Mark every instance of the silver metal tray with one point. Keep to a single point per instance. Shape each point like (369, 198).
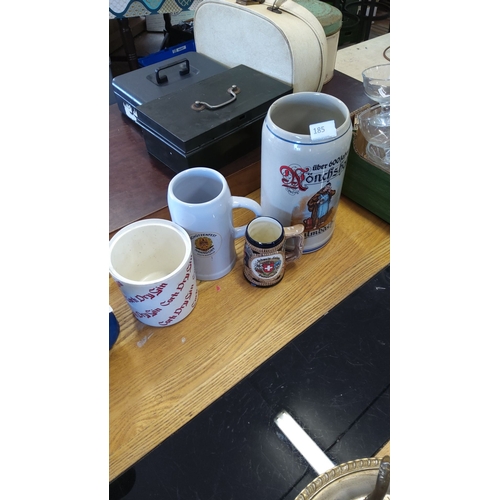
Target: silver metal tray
(349, 481)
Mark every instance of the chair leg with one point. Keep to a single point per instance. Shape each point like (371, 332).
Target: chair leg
(128, 43)
(166, 31)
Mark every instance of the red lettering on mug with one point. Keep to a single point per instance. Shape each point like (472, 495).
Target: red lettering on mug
(140, 298)
(150, 313)
(158, 289)
(293, 177)
(190, 293)
(193, 303)
(180, 287)
(170, 300)
(179, 310)
(153, 292)
(168, 321)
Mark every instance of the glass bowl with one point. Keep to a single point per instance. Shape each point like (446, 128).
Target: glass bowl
(375, 125)
(377, 83)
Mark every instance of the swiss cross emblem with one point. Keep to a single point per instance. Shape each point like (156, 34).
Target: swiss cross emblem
(267, 267)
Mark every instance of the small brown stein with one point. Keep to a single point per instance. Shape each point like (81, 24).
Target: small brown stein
(266, 254)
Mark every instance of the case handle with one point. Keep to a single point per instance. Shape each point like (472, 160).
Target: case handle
(276, 6)
(199, 105)
(164, 79)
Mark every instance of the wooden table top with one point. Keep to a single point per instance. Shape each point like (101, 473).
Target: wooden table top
(160, 378)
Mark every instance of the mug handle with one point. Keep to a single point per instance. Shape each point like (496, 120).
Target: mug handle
(296, 233)
(243, 202)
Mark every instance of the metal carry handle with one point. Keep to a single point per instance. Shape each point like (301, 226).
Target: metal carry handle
(199, 105)
(276, 7)
(164, 79)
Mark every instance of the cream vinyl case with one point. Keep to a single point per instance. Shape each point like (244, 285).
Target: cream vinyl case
(281, 39)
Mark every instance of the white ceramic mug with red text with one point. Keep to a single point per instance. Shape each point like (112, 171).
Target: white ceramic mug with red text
(152, 263)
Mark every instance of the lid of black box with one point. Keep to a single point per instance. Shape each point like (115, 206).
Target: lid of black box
(176, 118)
(141, 86)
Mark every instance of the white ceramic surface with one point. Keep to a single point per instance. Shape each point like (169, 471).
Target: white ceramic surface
(199, 200)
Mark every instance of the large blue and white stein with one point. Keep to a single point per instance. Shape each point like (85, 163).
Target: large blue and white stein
(306, 138)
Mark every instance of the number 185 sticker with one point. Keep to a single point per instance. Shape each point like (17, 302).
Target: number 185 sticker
(323, 130)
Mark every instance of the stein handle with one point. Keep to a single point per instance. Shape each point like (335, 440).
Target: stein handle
(249, 204)
(295, 233)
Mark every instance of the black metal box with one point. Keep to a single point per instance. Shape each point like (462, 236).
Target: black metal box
(211, 122)
(146, 84)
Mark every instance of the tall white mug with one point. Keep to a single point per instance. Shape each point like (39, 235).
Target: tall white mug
(306, 138)
(199, 200)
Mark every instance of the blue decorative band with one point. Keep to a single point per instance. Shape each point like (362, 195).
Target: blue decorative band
(121, 8)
